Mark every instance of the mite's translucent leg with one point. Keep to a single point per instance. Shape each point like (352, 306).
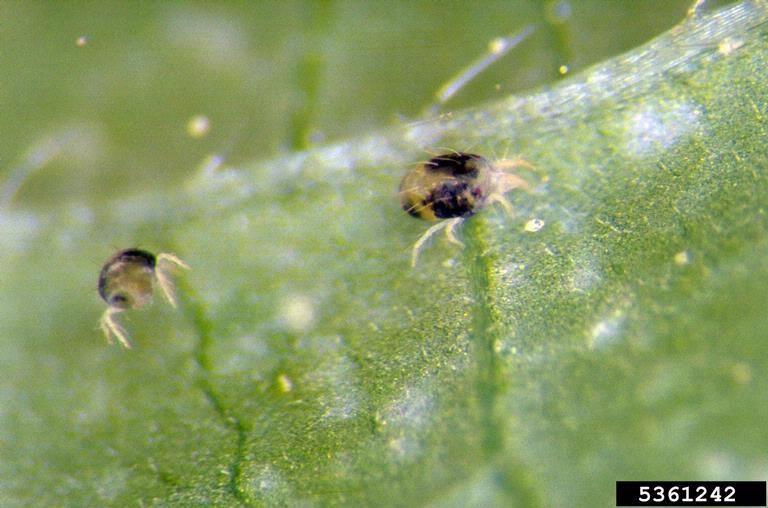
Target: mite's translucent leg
(500, 199)
(505, 164)
(110, 327)
(449, 225)
(167, 256)
(508, 181)
(505, 182)
(450, 231)
(162, 279)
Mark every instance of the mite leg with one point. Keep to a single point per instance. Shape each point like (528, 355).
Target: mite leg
(110, 327)
(449, 225)
(500, 199)
(450, 231)
(162, 279)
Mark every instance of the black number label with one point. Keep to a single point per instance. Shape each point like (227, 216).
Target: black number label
(680, 493)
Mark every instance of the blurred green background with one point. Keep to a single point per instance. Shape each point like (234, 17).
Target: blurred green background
(390, 384)
(272, 77)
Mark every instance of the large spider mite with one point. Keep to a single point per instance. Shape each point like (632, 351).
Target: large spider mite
(127, 281)
(453, 186)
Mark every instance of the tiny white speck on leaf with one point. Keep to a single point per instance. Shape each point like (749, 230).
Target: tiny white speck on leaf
(682, 258)
(497, 45)
(534, 225)
(607, 330)
(729, 45)
(297, 313)
(198, 126)
(284, 383)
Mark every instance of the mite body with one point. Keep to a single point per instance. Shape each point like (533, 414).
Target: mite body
(454, 186)
(447, 186)
(127, 281)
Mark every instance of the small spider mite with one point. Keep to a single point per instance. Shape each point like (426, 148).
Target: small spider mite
(454, 186)
(127, 282)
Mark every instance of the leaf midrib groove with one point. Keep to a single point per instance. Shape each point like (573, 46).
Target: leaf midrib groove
(204, 326)
(514, 478)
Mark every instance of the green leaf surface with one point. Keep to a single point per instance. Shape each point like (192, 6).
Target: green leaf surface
(613, 327)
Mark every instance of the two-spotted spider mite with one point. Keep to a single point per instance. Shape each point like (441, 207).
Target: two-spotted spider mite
(454, 186)
(127, 281)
